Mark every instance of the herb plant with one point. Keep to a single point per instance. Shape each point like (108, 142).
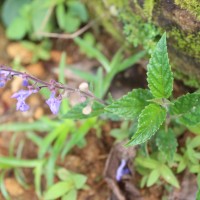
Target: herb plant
(154, 111)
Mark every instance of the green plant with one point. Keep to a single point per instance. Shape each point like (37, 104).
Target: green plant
(70, 15)
(67, 187)
(61, 136)
(40, 51)
(156, 111)
(28, 17)
(154, 167)
(189, 156)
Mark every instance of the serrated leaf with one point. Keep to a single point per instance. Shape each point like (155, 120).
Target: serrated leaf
(159, 75)
(167, 143)
(149, 122)
(130, 105)
(169, 176)
(188, 107)
(76, 111)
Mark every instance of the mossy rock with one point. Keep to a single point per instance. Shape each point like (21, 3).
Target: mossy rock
(142, 22)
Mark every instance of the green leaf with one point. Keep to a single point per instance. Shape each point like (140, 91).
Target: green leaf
(76, 111)
(94, 52)
(128, 62)
(192, 118)
(33, 126)
(38, 14)
(153, 177)
(11, 10)
(78, 9)
(143, 181)
(71, 195)
(149, 122)
(71, 23)
(159, 75)
(17, 29)
(89, 77)
(3, 189)
(167, 143)
(78, 134)
(148, 163)
(182, 165)
(169, 176)
(188, 108)
(10, 162)
(63, 174)
(58, 190)
(60, 15)
(194, 129)
(185, 103)
(198, 195)
(194, 143)
(79, 180)
(130, 105)
(121, 133)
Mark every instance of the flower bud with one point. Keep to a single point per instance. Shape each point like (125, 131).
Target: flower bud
(87, 110)
(83, 86)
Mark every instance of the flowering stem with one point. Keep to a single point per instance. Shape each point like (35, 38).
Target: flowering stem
(54, 84)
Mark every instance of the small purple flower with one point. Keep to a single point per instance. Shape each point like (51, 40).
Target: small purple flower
(3, 78)
(122, 170)
(21, 97)
(4, 73)
(2, 83)
(25, 82)
(21, 105)
(54, 103)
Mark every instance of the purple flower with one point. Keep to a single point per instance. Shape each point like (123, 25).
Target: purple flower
(4, 73)
(3, 78)
(21, 97)
(53, 103)
(2, 83)
(122, 170)
(25, 82)
(21, 105)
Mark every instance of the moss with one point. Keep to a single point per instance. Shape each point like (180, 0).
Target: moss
(120, 4)
(193, 6)
(139, 32)
(148, 8)
(187, 79)
(188, 43)
(144, 8)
